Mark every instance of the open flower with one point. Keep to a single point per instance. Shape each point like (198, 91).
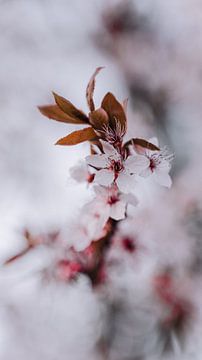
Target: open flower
(112, 168)
(111, 202)
(108, 203)
(159, 163)
(89, 227)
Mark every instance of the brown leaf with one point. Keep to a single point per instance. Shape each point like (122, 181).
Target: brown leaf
(145, 144)
(115, 111)
(69, 109)
(98, 118)
(90, 89)
(77, 137)
(55, 113)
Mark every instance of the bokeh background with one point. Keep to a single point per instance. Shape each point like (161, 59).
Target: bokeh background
(152, 53)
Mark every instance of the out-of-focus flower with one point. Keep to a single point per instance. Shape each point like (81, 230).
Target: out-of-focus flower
(121, 19)
(112, 168)
(159, 163)
(178, 309)
(81, 173)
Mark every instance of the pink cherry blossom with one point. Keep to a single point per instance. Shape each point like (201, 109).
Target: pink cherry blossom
(113, 168)
(89, 227)
(159, 164)
(111, 202)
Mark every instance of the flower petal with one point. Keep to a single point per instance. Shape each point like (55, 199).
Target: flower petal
(79, 172)
(94, 217)
(125, 182)
(135, 164)
(129, 199)
(164, 165)
(101, 191)
(118, 210)
(146, 172)
(109, 149)
(81, 241)
(104, 177)
(97, 161)
(163, 178)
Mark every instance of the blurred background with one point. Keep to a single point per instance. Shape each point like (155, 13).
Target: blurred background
(152, 53)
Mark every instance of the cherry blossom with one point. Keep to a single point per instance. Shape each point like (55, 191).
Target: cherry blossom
(113, 168)
(111, 202)
(159, 163)
(89, 227)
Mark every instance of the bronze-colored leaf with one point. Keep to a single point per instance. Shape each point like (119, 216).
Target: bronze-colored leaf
(69, 109)
(55, 113)
(77, 137)
(115, 111)
(98, 119)
(145, 144)
(90, 89)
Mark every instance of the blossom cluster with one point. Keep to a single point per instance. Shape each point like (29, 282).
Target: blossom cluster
(114, 167)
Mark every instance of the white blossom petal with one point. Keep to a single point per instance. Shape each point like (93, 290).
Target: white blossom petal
(118, 210)
(162, 178)
(94, 216)
(98, 161)
(147, 172)
(164, 165)
(129, 199)
(100, 191)
(81, 242)
(104, 177)
(109, 149)
(98, 223)
(135, 164)
(125, 182)
(79, 172)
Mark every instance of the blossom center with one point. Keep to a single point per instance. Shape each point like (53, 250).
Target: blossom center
(152, 164)
(129, 244)
(116, 166)
(112, 199)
